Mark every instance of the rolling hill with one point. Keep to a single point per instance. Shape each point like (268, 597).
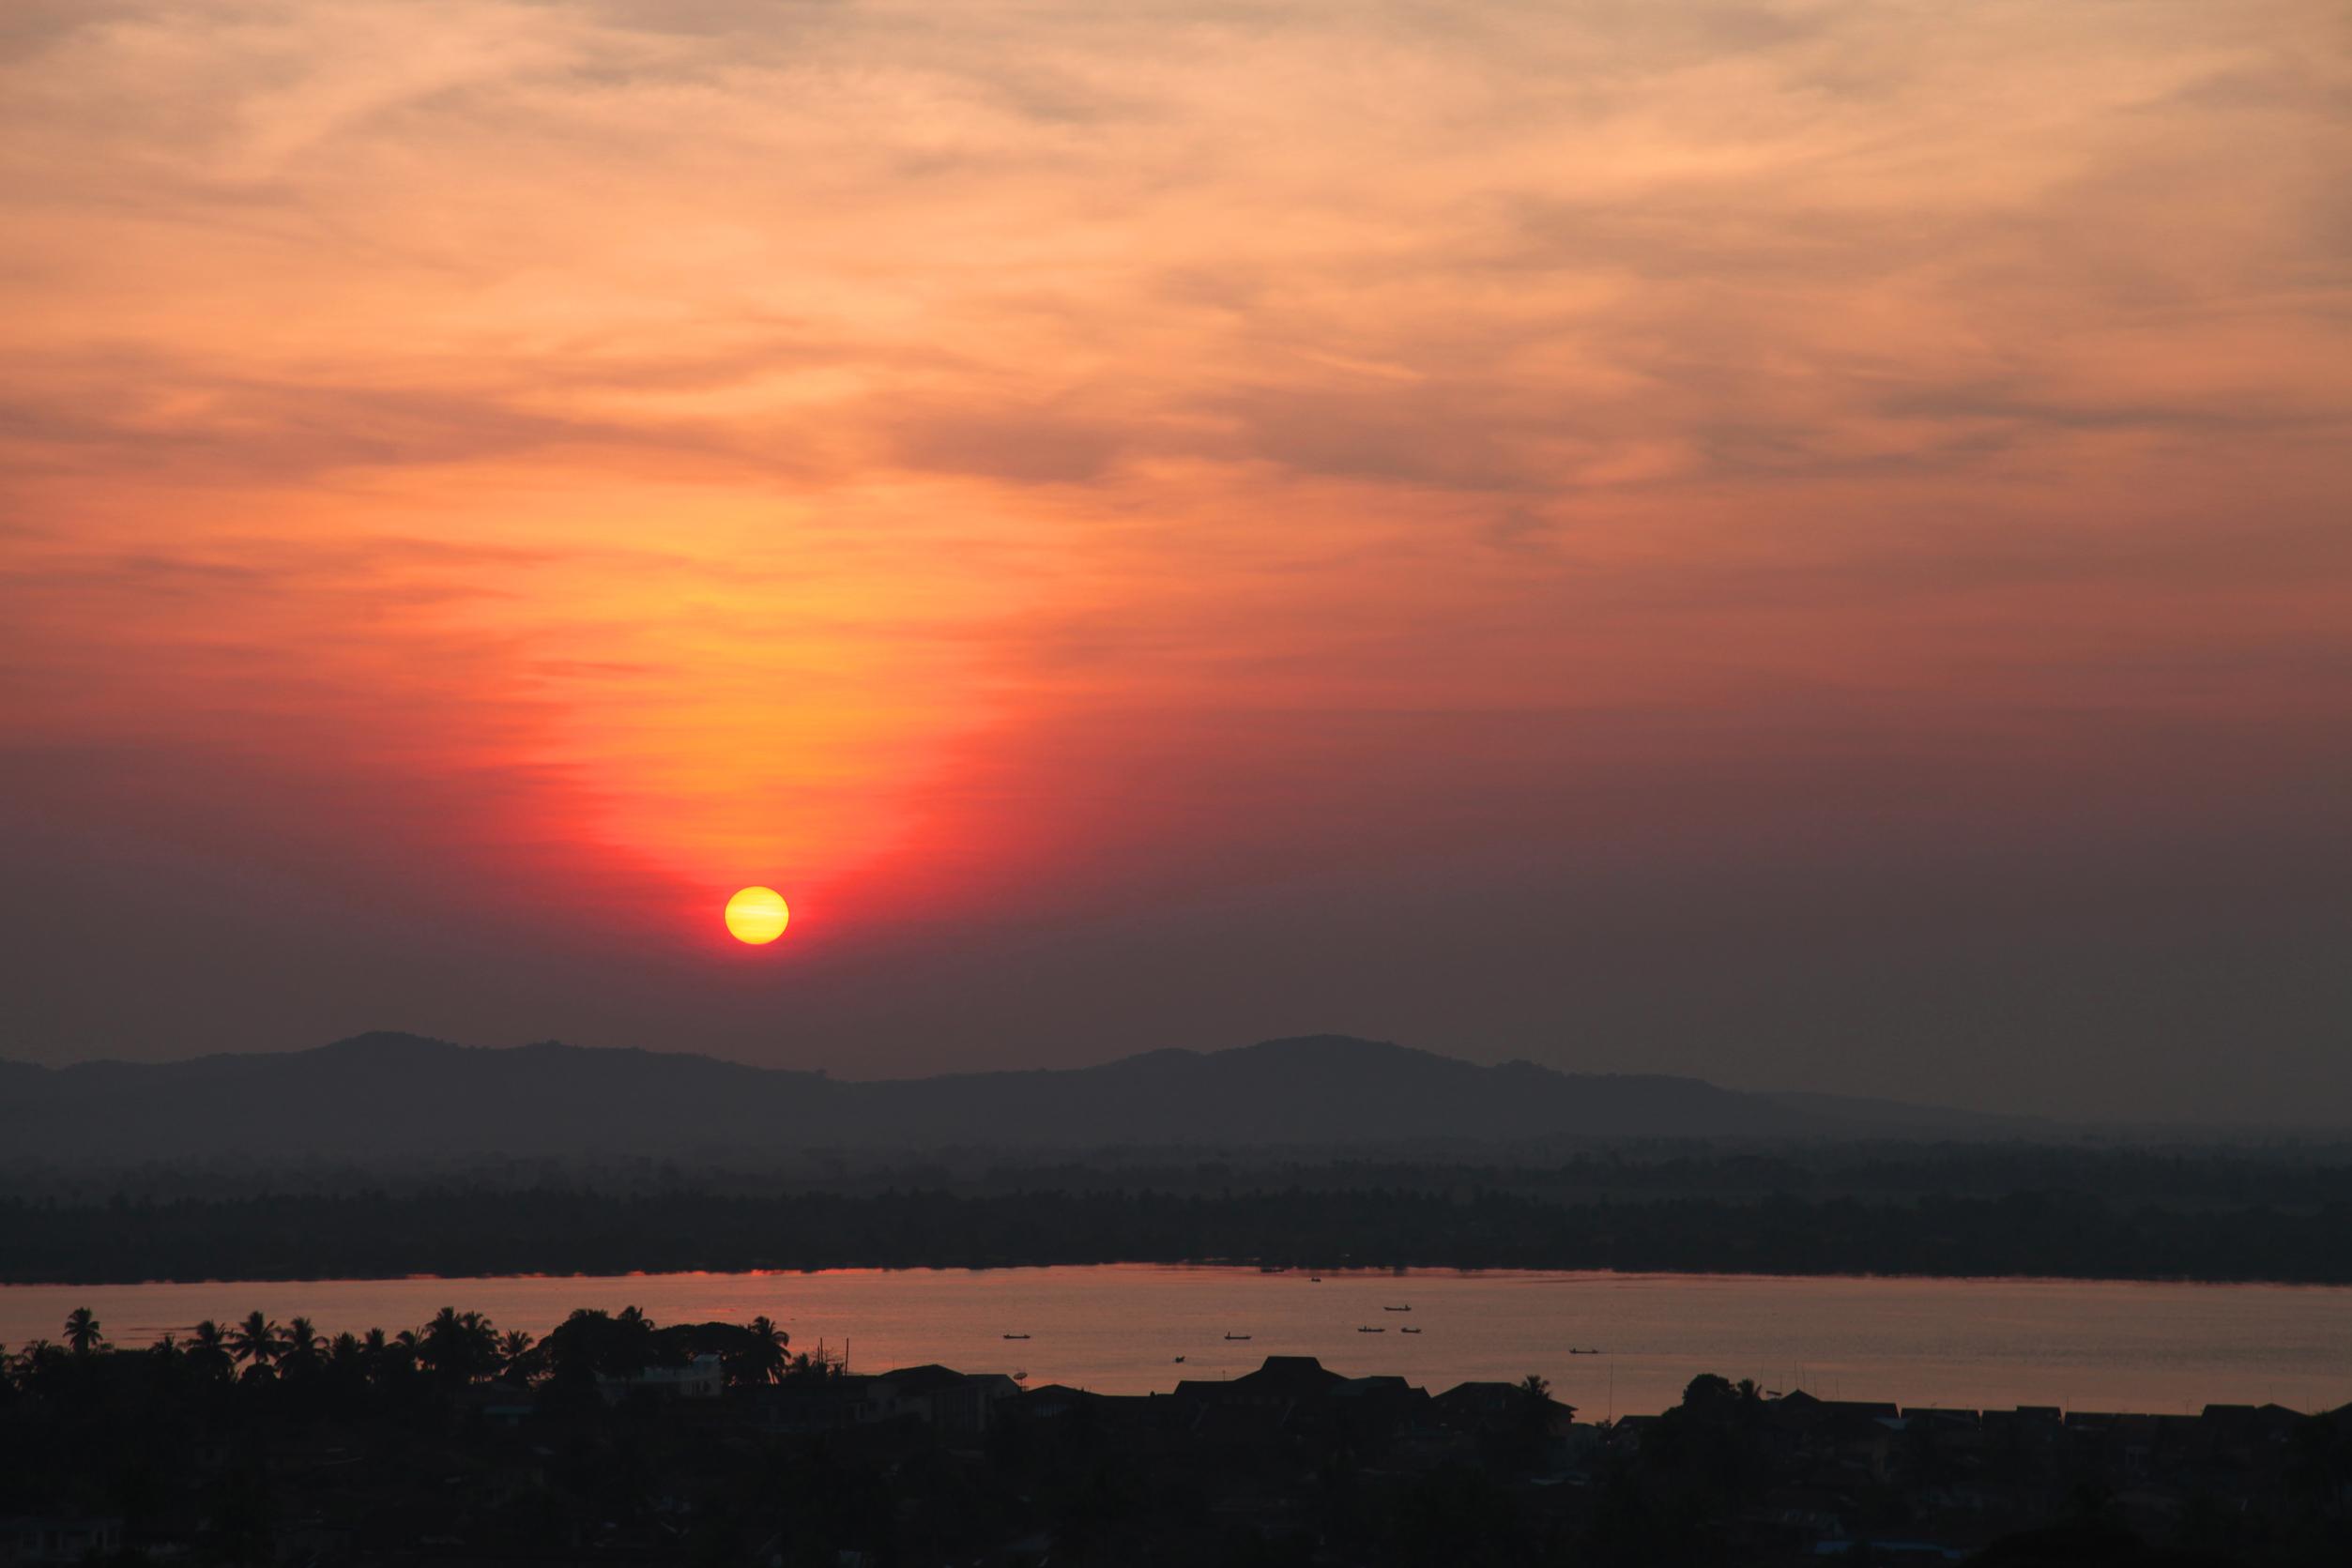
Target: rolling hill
(402, 1096)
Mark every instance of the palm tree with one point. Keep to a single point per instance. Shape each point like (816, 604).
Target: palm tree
(389, 1359)
(458, 1344)
(763, 1360)
(1535, 1405)
(512, 1347)
(575, 1348)
(254, 1342)
(632, 1341)
(208, 1350)
(34, 1364)
(82, 1333)
(299, 1345)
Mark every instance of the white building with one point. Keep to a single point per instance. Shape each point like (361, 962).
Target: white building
(704, 1378)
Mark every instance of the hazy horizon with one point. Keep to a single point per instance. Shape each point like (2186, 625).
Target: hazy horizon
(2317, 1122)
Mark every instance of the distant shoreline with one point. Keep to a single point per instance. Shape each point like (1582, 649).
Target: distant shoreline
(1930, 1214)
(1531, 1275)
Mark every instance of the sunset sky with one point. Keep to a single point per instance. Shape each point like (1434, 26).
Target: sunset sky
(1805, 543)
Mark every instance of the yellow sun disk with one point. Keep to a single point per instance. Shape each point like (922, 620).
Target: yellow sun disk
(756, 915)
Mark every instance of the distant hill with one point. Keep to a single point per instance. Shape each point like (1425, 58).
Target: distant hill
(397, 1095)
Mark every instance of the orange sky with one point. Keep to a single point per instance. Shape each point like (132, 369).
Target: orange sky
(1525, 529)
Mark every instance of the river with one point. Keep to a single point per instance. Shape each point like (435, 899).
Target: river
(2084, 1345)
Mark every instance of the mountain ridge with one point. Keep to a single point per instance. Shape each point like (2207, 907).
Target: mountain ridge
(387, 1094)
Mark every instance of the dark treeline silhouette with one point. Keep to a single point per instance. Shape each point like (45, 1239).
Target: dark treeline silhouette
(453, 1349)
(463, 1231)
(2284, 1175)
(259, 1442)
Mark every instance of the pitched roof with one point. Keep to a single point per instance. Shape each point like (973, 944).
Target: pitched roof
(922, 1379)
(1289, 1374)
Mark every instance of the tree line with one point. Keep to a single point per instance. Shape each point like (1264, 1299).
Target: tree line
(452, 1349)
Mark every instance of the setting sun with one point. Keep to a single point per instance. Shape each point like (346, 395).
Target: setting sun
(756, 915)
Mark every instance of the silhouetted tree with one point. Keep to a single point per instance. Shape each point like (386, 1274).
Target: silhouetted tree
(1708, 1396)
(633, 1340)
(34, 1367)
(1539, 1410)
(458, 1346)
(209, 1351)
(298, 1346)
(762, 1360)
(254, 1342)
(589, 1343)
(82, 1333)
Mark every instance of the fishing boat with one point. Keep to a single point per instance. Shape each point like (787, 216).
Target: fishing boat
(1016, 1337)
(1397, 1309)
(1237, 1336)
(1371, 1331)
(1409, 1329)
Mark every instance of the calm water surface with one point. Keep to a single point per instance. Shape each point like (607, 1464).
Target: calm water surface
(1974, 1343)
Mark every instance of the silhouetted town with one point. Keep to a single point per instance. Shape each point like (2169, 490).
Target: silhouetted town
(615, 1440)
